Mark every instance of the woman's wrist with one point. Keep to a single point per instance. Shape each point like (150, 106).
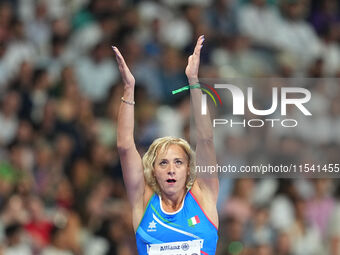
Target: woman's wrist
(128, 93)
(193, 81)
(128, 86)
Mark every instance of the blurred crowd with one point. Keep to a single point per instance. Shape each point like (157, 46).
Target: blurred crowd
(61, 187)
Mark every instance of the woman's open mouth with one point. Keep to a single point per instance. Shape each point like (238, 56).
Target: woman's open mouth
(170, 180)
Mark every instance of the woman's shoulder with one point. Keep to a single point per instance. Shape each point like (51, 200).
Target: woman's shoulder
(138, 208)
(148, 193)
(207, 204)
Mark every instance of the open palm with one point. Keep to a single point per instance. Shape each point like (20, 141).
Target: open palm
(191, 70)
(127, 76)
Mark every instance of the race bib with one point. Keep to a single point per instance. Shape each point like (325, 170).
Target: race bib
(176, 248)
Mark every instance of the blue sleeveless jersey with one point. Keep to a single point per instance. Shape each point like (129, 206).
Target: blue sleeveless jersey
(188, 223)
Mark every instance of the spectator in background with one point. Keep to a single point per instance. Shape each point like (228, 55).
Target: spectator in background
(333, 228)
(239, 205)
(38, 30)
(260, 22)
(222, 17)
(19, 49)
(4, 75)
(283, 244)
(96, 73)
(236, 58)
(39, 93)
(14, 241)
(259, 231)
(305, 238)
(8, 117)
(320, 205)
(171, 72)
(297, 36)
(325, 14)
(58, 58)
(13, 212)
(43, 176)
(83, 182)
(232, 145)
(172, 121)
(330, 49)
(231, 230)
(282, 208)
(38, 225)
(57, 246)
(23, 84)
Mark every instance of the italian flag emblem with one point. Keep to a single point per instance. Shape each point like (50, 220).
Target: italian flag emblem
(193, 221)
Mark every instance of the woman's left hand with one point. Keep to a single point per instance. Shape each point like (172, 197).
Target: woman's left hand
(127, 77)
(191, 70)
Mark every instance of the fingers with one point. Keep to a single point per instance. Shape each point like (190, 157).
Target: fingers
(199, 45)
(122, 66)
(119, 57)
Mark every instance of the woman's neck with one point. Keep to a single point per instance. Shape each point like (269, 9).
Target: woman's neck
(174, 202)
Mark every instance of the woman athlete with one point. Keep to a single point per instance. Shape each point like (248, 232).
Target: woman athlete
(174, 211)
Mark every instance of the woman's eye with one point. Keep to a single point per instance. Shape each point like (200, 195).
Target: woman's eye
(178, 162)
(162, 163)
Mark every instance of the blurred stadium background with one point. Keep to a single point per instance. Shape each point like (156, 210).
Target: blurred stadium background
(61, 188)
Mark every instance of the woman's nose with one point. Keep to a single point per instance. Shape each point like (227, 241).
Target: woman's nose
(171, 169)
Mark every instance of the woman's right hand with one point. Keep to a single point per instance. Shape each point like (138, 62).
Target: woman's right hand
(127, 76)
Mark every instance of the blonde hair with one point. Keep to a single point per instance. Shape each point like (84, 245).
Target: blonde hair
(161, 145)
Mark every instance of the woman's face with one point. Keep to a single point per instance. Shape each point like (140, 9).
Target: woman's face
(171, 170)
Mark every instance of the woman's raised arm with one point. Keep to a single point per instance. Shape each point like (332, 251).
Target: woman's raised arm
(129, 157)
(205, 150)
